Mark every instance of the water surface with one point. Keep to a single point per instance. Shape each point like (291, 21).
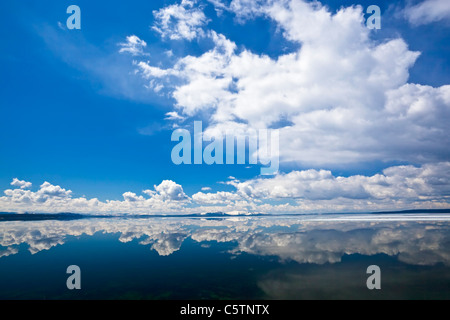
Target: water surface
(307, 257)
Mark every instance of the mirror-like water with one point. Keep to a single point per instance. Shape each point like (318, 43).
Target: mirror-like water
(307, 257)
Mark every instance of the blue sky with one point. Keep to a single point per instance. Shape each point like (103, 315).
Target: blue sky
(362, 113)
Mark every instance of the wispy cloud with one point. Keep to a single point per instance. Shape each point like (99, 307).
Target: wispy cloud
(174, 116)
(103, 64)
(133, 45)
(428, 11)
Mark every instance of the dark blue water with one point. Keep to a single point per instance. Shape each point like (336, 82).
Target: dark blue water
(239, 258)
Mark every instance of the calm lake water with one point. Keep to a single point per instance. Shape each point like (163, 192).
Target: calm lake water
(302, 257)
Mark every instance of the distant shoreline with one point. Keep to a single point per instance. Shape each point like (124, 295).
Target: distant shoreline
(12, 216)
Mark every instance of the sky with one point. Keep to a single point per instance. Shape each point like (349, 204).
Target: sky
(88, 115)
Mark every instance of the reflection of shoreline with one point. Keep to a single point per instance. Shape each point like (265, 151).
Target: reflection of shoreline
(309, 240)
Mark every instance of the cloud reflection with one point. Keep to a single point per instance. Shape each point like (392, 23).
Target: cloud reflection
(316, 241)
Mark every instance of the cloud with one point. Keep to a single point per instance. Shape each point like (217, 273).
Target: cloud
(338, 98)
(219, 6)
(220, 197)
(131, 197)
(345, 95)
(47, 190)
(134, 46)
(46, 193)
(305, 191)
(180, 21)
(168, 197)
(428, 182)
(169, 190)
(174, 116)
(21, 184)
(428, 11)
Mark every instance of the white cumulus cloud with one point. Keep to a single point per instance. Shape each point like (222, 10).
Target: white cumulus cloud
(346, 97)
(170, 190)
(305, 191)
(21, 184)
(180, 21)
(428, 182)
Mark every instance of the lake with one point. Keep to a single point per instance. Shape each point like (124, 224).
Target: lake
(286, 257)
